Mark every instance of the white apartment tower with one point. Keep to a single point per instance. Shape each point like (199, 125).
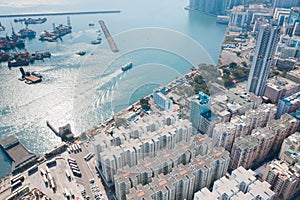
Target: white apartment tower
(267, 39)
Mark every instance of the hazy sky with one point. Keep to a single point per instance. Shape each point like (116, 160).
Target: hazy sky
(30, 3)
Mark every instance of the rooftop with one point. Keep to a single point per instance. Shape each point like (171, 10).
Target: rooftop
(279, 83)
(16, 151)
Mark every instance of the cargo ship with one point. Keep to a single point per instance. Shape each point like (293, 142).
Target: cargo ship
(35, 21)
(20, 59)
(127, 67)
(18, 62)
(8, 43)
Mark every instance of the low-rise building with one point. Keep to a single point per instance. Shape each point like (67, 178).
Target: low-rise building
(279, 87)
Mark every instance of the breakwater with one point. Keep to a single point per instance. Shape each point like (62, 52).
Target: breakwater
(60, 13)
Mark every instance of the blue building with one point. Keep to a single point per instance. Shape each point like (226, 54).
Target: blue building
(288, 104)
(199, 106)
(161, 100)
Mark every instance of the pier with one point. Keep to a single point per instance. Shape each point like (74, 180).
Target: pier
(59, 13)
(52, 128)
(110, 40)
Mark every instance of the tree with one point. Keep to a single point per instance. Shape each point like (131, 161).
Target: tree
(145, 104)
(232, 65)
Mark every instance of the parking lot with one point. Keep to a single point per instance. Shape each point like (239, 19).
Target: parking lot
(84, 186)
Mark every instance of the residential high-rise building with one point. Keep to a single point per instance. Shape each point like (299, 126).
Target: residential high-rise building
(286, 3)
(199, 106)
(288, 104)
(242, 184)
(290, 148)
(283, 127)
(266, 44)
(283, 179)
(243, 153)
(215, 7)
(162, 100)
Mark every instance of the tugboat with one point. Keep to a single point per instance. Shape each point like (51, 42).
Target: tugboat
(3, 56)
(35, 21)
(127, 67)
(19, 20)
(81, 53)
(41, 56)
(96, 42)
(2, 28)
(26, 32)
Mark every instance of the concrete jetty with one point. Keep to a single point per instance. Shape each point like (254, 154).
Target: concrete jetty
(59, 13)
(110, 40)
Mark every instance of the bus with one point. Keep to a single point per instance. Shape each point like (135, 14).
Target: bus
(75, 168)
(71, 160)
(66, 193)
(45, 179)
(42, 171)
(51, 163)
(16, 178)
(32, 170)
(79, 147)
(16, 185)
(88, 156)
(52, 184)
(76, 172)
(50, 177)
(73, 165)
(68, 175)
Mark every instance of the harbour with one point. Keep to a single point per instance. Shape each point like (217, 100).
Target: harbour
(61, 72)
(60, 13)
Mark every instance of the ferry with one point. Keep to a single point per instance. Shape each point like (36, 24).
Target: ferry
(127, 67)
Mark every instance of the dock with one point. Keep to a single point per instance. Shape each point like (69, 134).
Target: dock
(109, 38)
(20, 157)
(51, 128)
(59, 13)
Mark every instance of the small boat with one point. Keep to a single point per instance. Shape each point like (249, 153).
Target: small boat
(95, 41)
(81, 53)
(91, 24)
(99, 38)
(36, 74)
(127, 67)
(20, 20)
